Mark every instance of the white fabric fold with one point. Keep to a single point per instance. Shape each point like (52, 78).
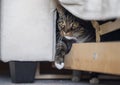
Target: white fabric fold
(93, 9)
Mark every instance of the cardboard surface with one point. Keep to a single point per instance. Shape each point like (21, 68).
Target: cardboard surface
(95, 57)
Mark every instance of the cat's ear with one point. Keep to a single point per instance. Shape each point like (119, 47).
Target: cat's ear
(60, 9)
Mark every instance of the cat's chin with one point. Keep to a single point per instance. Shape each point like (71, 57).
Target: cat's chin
(59, 66)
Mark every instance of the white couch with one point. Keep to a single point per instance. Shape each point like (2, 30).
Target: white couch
(27, 30)
(27, 36)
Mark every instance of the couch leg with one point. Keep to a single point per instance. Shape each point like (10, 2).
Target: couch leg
(22, 72)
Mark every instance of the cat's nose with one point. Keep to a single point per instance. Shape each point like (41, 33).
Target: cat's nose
(66, 31)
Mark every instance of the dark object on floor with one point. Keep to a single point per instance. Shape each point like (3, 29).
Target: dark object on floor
(22, 72)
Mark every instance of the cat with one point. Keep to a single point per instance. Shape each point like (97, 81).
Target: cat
(71, 30)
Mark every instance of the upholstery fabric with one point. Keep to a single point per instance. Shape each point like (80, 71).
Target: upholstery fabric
(27, 30)
(93, 9)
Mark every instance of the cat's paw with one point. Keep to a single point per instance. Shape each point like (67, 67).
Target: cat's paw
(59, 66)
(94, 81)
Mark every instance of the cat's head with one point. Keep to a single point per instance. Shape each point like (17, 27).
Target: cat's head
(70, 26)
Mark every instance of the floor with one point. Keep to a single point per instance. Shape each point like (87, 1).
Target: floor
(5, 80)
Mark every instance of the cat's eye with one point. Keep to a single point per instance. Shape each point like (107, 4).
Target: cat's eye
(61, 22)
(61, 25)
(75, 25)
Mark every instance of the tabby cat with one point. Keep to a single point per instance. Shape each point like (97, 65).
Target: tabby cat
(71, 30)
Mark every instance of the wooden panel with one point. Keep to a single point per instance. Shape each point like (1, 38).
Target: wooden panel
(95, 57)
(109, 27)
